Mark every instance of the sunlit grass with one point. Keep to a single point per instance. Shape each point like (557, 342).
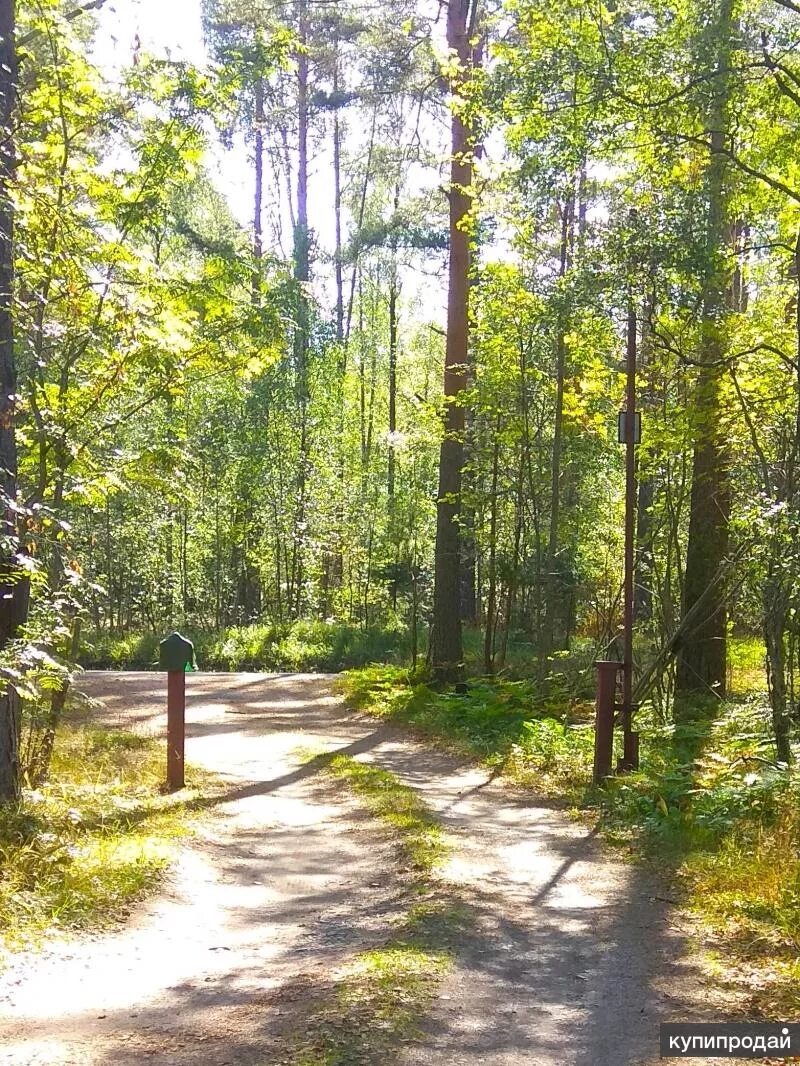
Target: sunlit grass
(745, 895)
(375, 1004)
(534, 741)
(77, 853)
(305, 644)
(377, 1001)
(418, 833)
(746, 666)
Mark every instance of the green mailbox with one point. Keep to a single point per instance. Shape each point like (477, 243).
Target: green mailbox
(176, 653)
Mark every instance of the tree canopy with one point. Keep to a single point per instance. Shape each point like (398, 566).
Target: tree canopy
(384, 391)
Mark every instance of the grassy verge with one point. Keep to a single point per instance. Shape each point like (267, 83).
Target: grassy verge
(77, 853)
(417, 832)
(545, 744)
(377, 1002)
(709, 807)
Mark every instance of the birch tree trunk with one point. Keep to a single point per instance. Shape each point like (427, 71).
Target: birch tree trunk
(13, 588)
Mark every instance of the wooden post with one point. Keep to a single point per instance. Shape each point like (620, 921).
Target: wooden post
(176, 728)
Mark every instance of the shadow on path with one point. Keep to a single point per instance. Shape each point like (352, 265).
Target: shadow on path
(566, 956)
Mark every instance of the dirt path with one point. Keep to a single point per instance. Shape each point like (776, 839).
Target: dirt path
(571, 959)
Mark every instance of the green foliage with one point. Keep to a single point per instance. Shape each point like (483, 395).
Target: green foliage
(303, 645)
(532, 740)
(710, 802)
(96, 837)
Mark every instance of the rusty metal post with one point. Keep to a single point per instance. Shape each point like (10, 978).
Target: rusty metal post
(176, 727)
(607, 671)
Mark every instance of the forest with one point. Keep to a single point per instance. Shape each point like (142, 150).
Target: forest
(357, 407)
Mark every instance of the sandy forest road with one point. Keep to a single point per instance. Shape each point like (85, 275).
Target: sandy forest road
(572, 960)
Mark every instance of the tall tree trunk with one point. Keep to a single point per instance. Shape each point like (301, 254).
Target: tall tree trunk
(643, 579)
(13, 587)
(446, 637)
(491, 598)
(302, 324)
(554, 590)
(258, 205)
(702, 656)
(513, 577)
(391, 473)
(337, 206)
(334, 561)
(469, 547)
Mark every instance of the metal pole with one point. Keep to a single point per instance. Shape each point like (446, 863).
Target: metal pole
(630, 758)
(176, 727)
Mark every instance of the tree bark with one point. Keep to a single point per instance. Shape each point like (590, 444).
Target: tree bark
(302, 272)
(702, 659)
(337, 208)
(491, 598)
(258, 205)
(392, 466)
(446, 636)
(13, 586)
(554, 590)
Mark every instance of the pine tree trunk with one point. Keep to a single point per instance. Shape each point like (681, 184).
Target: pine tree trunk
(702, 659)
(302, 324)
(469, 547)
(554, 590)
(446, 637)
(337, 208)
(258, 204)
(392, 465)
(491, 598)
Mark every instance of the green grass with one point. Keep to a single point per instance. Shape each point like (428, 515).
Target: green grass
(709, 807)
(302, 645)
(368, 1009)
(542, 743)
(78, 852)
(746, 666)
(417, 832)
(376, 1002)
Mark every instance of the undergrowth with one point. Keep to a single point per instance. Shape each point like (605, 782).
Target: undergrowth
(77, 852)
(301, 645)
(540, 742)
(325, 646)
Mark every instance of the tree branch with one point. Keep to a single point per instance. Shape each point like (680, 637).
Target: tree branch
(82, 9)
